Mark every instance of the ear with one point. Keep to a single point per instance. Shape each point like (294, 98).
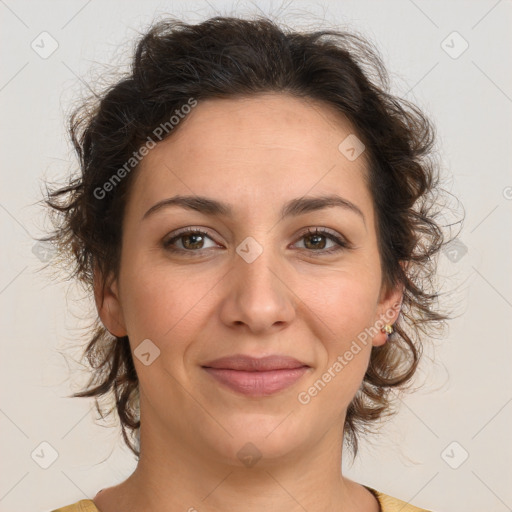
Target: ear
(106, 296)
(388, 309)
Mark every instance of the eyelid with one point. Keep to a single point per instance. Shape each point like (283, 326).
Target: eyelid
(185, 231)
(312, 230)
(342, 243)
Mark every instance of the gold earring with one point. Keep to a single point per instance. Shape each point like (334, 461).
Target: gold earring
(388, 328)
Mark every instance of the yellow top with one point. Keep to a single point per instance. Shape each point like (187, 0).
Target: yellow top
(387, 504)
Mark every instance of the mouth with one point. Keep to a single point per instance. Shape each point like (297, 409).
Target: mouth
(256, 376)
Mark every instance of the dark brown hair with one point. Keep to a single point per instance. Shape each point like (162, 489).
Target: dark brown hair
(227, 57)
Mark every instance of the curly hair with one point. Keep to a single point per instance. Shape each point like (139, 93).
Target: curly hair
(227, 57)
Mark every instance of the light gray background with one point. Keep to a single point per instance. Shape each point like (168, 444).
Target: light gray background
(466, 395)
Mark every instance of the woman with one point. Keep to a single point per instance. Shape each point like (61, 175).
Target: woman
(255, 217)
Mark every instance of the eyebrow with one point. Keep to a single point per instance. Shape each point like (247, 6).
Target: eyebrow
(292, 208)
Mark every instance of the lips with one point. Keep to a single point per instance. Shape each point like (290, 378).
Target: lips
(256, 376)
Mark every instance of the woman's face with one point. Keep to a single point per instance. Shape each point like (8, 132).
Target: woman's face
(257, 283)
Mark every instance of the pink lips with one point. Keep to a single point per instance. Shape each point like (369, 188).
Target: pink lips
(256, 376)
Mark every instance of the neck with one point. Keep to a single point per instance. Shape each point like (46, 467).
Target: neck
(178, 474)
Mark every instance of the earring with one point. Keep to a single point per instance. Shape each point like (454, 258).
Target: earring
(388, 328)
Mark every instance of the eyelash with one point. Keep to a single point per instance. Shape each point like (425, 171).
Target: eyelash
(342, 244)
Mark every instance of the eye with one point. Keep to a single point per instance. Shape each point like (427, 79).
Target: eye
(190, 239)
(315, 243)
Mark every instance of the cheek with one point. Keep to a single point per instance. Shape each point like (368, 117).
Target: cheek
(346, 309)
(344, 303)
(163, 304)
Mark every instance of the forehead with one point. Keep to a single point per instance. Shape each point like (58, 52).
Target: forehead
(247, 150)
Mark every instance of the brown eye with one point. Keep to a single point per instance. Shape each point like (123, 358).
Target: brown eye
(191, 240)
(316, 240)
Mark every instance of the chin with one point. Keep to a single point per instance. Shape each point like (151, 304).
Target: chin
(258, 440)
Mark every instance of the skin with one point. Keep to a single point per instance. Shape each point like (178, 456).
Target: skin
(256, 154)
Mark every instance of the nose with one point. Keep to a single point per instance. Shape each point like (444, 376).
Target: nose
(258, 295)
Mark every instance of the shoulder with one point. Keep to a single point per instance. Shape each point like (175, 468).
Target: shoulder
(79, 506)
(390, 504)
(387, 503)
